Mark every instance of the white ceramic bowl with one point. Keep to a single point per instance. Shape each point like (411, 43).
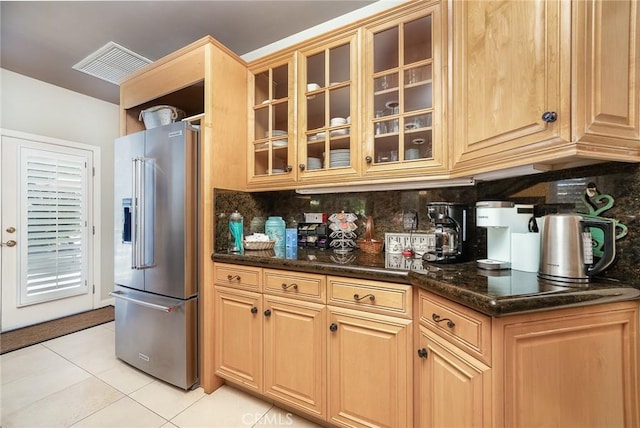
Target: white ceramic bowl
(312, 87)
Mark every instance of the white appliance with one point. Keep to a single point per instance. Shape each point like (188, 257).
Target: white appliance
(507, 246)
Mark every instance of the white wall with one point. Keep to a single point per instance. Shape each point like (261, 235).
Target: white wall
(35, 107)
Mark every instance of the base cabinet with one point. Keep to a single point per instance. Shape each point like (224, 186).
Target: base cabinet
(569, 369)
(453, 388)
(238, 338)
(276, 336)
(572, 367)
(369, 370)
(295, 353)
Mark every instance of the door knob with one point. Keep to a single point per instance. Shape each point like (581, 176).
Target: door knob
(9, 243)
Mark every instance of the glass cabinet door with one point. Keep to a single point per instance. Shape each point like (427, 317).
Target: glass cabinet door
(272, 110)
(405, 105)
(328, 126)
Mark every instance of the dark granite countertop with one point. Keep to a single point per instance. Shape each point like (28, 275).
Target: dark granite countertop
(494, 293)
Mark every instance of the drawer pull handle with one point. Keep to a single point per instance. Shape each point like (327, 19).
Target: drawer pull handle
(232, 277)
(357, 297)
(423, 353)
(437, 319)
(286, 287)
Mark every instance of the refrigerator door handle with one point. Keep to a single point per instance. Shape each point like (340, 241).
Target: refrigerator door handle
(135, 220)
(120, 295)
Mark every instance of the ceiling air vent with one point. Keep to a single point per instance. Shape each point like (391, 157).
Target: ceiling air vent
(112, 63)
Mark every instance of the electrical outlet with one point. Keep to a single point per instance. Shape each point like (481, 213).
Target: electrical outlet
(421, 242)
(410, 220)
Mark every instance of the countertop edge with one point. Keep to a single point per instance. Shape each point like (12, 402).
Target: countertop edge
(521, 304)
(483, 303)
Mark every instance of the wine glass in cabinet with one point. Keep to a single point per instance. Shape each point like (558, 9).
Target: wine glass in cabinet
(272, 142)
(404, 94)
(327, 116)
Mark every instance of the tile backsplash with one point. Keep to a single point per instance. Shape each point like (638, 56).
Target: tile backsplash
(559, 191)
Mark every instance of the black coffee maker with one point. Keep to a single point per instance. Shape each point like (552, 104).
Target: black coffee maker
(447, 235)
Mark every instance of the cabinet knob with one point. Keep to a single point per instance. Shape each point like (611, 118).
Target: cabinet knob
(333, 327)
(423, 353)
(439, 319)
(302, 166)
(289, 168)
(254, 310)
(267, 313)
(286, 287)
(368, 159)
(549, 116)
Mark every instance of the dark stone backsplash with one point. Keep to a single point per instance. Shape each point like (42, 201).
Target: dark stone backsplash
(550, 192)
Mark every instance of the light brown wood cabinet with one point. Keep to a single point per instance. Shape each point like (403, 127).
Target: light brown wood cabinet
(277, 336)
(238, 336)
(270, 344)
(452, 364)
(404, 93)
(272, 152)
(295, 353)
(454, 389)
(570, 368)
(544, 83)
(329, 109)
(354, 356)
(369, 103)
(370, 369)
(574, 367)
(370, 365)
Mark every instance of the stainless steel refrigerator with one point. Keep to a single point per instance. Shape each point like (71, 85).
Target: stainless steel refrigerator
(156, 244)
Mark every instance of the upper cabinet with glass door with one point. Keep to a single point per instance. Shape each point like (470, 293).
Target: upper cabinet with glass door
(272, 139)
(404, 99)
(328, 120)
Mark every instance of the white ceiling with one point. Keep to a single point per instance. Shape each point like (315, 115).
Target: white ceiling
(44, 39)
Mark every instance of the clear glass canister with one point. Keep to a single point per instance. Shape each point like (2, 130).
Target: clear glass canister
(236, 232)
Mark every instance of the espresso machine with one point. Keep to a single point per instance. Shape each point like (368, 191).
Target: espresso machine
(447, 236)
(511, 241)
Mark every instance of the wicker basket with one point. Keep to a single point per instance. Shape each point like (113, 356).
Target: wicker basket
(258, 245)
(371, 246)
(368, 244)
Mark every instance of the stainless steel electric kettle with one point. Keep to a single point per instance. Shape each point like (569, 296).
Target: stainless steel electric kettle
(566, 251)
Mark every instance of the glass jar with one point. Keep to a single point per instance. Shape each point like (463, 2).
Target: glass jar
(275, 227)
(236, 232)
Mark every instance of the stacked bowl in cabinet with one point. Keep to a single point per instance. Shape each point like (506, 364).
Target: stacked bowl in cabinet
(314, 163)
(339, 158)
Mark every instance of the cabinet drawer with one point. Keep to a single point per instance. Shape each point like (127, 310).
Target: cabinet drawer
(238, 276)
(458, 324)
(373, 296)
(305, 286)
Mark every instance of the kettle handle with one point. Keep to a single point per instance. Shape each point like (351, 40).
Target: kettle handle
(608, 227)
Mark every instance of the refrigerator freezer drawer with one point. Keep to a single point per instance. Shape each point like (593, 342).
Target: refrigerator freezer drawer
(158, 335)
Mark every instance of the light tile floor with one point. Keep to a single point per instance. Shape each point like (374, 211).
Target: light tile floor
(76, 381)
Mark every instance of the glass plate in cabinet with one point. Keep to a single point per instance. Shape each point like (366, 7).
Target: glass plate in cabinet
(271, 113)
(326, 109)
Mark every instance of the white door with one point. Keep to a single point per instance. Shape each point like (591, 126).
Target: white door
(46, 229)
